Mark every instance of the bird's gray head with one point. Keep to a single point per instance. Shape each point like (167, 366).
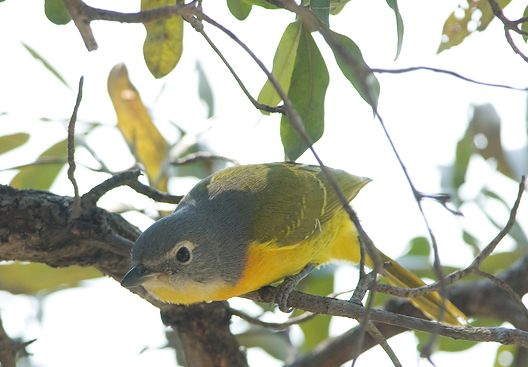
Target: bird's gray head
(192, 248)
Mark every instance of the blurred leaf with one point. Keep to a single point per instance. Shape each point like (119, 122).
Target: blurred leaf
(419, 246)
(356, 70)
(204, 90)
(56, 12)
(471, 241)
(447, 344)
(239, 8)
(274, 343)
(133, 120)
(321, 8)
(200, 168)
(12, 141)
(485, 125)
(399, 25)
(505, 356)
(516, 231)
(524, 25)
(337, 5)
(316, 330)
(40, 177)
(46, 64)
(307, 93)
(283, 64)
(468, 17)
(22, 278)
(464, 150)
(164, 42)
(501, 260)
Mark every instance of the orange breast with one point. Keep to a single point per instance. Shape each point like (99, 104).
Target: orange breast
(267, 263)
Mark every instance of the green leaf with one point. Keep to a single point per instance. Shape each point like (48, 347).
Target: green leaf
(239, 8)
(56, 12)
(12, 141)
(487, 13)
(46, 64)
(307, 93)
(501, 260)
(262, 3)
(464, 151)
(505, 356)
(355, 69)
(419, 246)
(41, 176)
(337, 5)
(19, 278)
(399, 24)
(274, 343)
(471, 241)
(524, 25)
(283, 64)
(204, 90)
(469, 17)
(164, 42)
(321, 8)
(317, 329)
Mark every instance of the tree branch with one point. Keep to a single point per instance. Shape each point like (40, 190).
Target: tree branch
(336, 307)
(9, 348)
(480, 298)
(35, 226)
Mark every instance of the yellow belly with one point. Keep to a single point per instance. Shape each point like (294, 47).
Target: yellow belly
(267, 263)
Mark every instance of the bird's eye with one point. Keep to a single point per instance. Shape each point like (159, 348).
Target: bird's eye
(183, 255)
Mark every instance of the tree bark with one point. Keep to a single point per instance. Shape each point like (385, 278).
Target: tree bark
(37, 226)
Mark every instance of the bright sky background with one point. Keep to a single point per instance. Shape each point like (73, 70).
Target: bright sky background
(104, 324)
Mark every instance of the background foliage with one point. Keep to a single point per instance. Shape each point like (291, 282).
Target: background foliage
(306, 69)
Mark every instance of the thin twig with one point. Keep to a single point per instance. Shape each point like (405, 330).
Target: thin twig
(127, 178)
(91, 198)
(471, 268)
(103, 167)
(377, 335)
(508, 26)
(447, 72)
(273, 325)
(240, 83)
(505, 287)
(83, 15)
(337, 307)
(76, 209)
(154, 194)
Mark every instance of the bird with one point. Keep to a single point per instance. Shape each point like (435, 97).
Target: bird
(248, 226)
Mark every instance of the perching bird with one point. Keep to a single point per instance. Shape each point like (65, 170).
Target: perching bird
(249, 226)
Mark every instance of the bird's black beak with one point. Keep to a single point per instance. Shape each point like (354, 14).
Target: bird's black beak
(136, 276)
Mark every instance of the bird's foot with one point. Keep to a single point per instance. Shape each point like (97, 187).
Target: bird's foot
(362, 287)
(288, 285)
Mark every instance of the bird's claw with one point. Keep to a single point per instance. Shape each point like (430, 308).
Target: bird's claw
(283, 293)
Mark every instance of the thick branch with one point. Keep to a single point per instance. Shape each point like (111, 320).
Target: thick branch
(336, 307)
(35, 226)
(480, 298)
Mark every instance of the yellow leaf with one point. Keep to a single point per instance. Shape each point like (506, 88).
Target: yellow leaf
(163, 45)
(133, 120)
(19, 278)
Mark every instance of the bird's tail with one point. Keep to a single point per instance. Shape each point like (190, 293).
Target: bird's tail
(430, 303)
